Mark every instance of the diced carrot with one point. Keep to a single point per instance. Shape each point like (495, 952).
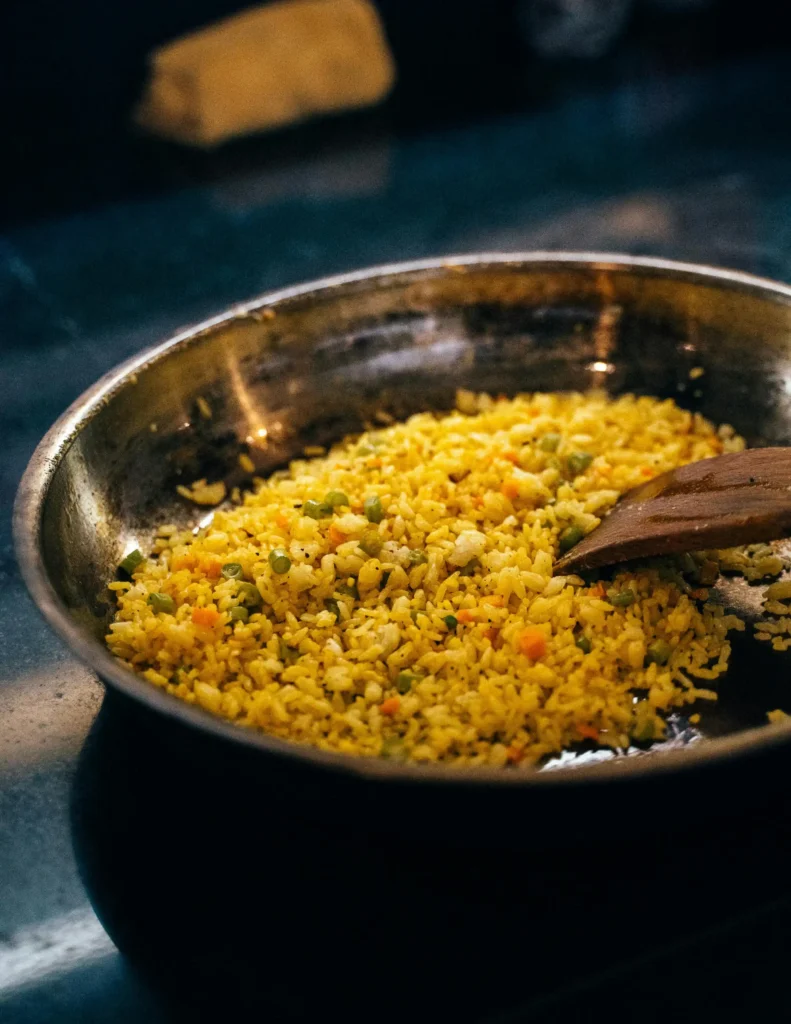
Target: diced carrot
(511, 457)
(211, 566)
(533, 643)
(496, 599)
(492, 634)
(390, 706)
(515, 753)
(588, 732)
(700, 595)
(282, 521)
(465, 615)
(336, 536)
(502, 398)
(598, 590)
(207, 617)
(647, 471)
(510, 489)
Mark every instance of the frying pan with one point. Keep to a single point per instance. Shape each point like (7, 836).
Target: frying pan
(305, 366)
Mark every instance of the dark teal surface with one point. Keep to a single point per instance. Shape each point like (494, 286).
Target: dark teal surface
(694, 165)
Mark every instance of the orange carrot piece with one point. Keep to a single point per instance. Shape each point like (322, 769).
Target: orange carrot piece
(511, 457)
(496, 599)
(510, 489)
(390, 706)
(647, 471)
(207, 617)
(533, 643)
(211, 566)
(515, 753)
(465, 615)
(336, 536)
(598, 590)
(588, 732)
(282, 521)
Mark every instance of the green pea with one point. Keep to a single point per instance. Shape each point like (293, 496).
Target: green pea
(131, 561)
(470, 567)
(451, 622)
(393, 749)
(371, 543)
(232, 571)
(162, 603)
(622, 599)
(549, 442)
(289, 655)
(417, 557)
(584, 644)
(570, 536)
(348, 590)
(644, 732)
(316, 509)
(249, 595)
(406, 681)
(239, 614)
(335, 498)
(658, 652)
(688, 563)
(578, 462)
(279, 561)
(372, 507)
(332, 606)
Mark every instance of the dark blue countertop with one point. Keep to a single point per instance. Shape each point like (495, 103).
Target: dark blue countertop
(691, 164)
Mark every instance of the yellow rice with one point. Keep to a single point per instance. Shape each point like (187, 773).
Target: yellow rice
(474, 490)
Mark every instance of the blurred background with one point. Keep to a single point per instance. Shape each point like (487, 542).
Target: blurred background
(154, 176)
(73, 73)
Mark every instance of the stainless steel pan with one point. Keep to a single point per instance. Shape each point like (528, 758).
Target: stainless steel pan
(307, 364)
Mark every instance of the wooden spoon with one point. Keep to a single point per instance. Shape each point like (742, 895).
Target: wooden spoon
(733, 499)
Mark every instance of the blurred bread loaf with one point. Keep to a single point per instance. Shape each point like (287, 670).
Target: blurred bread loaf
(267, 67)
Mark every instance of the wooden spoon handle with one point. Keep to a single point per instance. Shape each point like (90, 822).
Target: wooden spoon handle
(740, 498)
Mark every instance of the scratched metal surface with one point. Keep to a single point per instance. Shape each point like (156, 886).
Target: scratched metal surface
(694, 166)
